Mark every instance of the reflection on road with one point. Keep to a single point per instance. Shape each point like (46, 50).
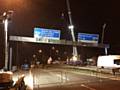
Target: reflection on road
(38, 77)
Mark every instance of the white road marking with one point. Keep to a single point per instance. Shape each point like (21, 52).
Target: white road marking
(83, 85)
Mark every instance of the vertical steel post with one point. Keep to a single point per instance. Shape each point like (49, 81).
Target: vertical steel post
(102, 38)
(71, 27)
(6, 42)
(10, 64)
(6, 16)
(103, 31)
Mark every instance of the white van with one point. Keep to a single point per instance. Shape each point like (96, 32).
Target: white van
(108, 61)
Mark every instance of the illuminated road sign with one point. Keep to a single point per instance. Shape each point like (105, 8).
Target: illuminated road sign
(43, 34)
(88, 38)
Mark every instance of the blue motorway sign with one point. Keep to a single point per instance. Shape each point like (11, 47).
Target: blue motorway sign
(88, 38)
(46, 33)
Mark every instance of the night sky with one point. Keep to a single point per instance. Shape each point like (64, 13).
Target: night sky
(88, 17)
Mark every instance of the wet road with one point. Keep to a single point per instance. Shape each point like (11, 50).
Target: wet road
(66, 79)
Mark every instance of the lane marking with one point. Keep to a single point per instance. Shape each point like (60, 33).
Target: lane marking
(83, 85)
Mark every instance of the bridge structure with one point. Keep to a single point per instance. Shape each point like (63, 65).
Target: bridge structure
(58, 42)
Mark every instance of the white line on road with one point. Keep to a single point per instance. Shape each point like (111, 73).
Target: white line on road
(83, 85)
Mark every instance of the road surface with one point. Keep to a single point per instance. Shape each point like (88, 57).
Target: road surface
(67, 79)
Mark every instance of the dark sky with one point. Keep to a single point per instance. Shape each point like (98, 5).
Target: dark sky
(88, 17)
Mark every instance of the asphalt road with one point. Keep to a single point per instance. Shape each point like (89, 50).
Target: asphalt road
(66, 79)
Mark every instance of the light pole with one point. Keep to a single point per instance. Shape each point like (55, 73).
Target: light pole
(6, 16)
(103, 31)
(102, 38)
(71, 27)
(6, 42)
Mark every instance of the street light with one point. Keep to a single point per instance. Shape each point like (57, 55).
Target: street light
(57, 51)
(71, 27)
(102, 38)
(5, 18)
(103, 31)
(34, 55)
(6, 44)
(40, 51)
(53, 48)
